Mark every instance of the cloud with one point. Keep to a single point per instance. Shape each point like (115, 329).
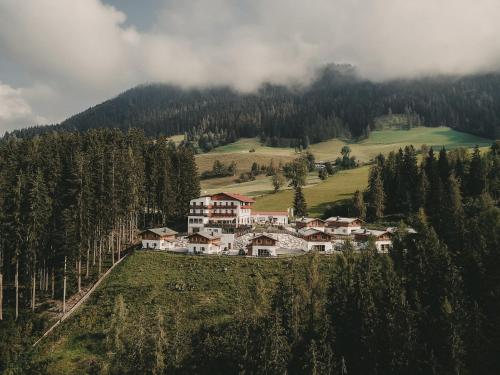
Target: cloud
(83, 51)
(15, 110)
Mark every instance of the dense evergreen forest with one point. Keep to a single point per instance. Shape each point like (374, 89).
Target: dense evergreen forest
(71, 202)
(336, 103)
(428, 307)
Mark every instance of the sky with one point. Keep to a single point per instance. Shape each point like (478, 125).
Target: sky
(59, 57)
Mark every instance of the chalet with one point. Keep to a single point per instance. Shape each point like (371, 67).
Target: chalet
(263, 245)
(158, 238)
(381, 238)
(203, 243)
(317, 240)
(222, 210)
(308, 222)
(342, 225)
(279, 218)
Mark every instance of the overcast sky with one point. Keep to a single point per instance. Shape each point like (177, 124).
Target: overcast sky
(58, 57)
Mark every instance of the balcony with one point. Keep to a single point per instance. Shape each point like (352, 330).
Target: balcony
(220, 214)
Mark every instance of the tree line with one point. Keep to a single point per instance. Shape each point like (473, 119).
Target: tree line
(70, 204)
(412, 311)
(338, 103)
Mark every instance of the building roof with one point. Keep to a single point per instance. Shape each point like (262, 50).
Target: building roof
(369, 232)
(309, 231)
(163, 231)
(270, 213)
(408, 230)
(308, 219)
(339, 219)
(264, 235)
(206, 235)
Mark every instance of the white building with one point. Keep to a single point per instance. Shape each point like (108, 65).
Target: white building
(381, 238)
(342, 225)
(158, 238)
(317, 240)
(263, 245)
(222, 210)
(277, 218)
(203, 243)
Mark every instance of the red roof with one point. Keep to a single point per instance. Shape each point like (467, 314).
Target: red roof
(237, 197)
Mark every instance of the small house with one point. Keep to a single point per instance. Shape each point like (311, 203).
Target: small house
(342, 225)
(263, 245)
(203, 243)
(309, 222)
(158, 238)
(381, 238)
(317, 240)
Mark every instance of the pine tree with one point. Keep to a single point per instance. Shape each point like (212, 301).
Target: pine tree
(299, 202)
(376, 193)
(359, 205)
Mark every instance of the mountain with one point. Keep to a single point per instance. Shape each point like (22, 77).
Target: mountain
(336, 103)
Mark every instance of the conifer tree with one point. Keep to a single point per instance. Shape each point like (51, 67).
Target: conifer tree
(359, 205)
(299, 202)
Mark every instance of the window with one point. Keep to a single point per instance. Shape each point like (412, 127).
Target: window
(263, 252)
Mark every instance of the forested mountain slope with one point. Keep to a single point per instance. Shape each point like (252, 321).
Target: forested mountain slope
(337, 103)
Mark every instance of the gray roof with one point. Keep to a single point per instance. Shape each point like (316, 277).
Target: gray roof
(408, 230)
(369, 232)
(308, 219)
(206, 235)
(342, 219)
(271, 236)
(309, 231)
(163, 231)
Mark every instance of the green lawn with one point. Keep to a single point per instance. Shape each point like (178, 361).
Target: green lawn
(340, 186)
(198, 290)
(385, 141)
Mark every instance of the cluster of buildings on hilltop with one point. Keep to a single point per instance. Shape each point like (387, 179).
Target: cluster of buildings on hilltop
(226, 223)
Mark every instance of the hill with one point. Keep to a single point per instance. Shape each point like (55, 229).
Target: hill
(337, 103)
(336, 187)
(197, 290)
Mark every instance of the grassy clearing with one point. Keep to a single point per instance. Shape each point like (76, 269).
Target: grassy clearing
(385, 141)
(335, 188)
(200, 290)
(340, 186)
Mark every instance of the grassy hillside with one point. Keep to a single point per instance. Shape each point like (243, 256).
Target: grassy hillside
(340, 186)
(194, 290)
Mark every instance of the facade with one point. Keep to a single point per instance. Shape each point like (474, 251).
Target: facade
(308, 222)
(203, 243)
(222, 210)
(263, 245)
(317, 240)
(342, 225)
(278, 218)
(158, 238)
(381, 238)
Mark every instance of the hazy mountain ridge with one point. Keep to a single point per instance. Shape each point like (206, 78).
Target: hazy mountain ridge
(337, 103)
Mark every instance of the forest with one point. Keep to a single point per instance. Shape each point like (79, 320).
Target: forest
(337, 103)
(428, 307)
(70, 205)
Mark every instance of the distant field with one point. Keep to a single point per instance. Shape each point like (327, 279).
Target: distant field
(340, 186)
(337, 187)
(199, 290)
(385, 141)
(260, 186)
